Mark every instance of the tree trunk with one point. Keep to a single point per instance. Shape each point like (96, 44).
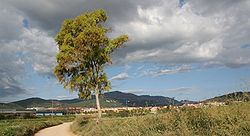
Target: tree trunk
(98, 106)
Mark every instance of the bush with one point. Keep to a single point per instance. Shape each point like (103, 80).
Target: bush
(127, 113)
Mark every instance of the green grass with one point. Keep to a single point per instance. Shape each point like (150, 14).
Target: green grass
(230, 120)
(27, 127)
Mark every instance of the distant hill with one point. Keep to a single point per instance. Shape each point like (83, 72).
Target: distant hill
(130, 99)
(33, 102)
(10, 106)
(236, 96)
(109, 99)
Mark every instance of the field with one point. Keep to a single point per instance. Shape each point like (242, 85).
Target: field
(27, 127)
(228, 120)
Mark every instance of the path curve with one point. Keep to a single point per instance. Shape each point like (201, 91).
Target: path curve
(59, 130)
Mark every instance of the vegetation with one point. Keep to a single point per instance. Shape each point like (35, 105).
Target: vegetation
(236, 96)
(127, 113)
(223, 120)
(10, 106)
(28, 127)
(16, 116)
(84, 49)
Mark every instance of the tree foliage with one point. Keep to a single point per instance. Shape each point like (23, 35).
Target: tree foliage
(84, 50)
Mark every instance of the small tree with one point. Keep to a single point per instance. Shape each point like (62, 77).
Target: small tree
(84, 49)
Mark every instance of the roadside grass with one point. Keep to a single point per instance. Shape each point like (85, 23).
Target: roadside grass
(229, 120)
(28, 127)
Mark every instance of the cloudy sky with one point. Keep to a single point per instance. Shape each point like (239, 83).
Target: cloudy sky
(186, 49)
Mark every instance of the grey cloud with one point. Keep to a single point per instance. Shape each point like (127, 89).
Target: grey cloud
(215, 6)
(199, 32)
(48, 14)
(11, 70)
(11, 24)
(10, 87)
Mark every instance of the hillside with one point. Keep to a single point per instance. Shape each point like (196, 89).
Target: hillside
(109, 99)
(33, 102)
(10, 106)
(130, 99)
(236, 96)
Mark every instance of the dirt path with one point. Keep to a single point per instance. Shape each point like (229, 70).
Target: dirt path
(60, 130)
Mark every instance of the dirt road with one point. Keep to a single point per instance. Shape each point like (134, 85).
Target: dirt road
(60, 130)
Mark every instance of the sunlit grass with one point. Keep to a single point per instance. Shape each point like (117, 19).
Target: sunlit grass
(225, 120)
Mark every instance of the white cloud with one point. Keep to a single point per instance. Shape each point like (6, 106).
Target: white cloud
(194, 33)
(40, 49)
(206, 50)
(121, 76)
(142, 54)
(180, 69)
(181, 90)
(166, 92)
(66, 97)
(10, 25)
(37, 48)
(134, 91)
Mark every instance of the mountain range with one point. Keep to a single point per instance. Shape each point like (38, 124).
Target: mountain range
(117, 99)
(109, 99)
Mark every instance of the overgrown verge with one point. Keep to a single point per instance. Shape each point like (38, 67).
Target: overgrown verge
(225, 120)
(28, 127)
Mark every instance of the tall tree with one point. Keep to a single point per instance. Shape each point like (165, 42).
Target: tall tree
(84, 50)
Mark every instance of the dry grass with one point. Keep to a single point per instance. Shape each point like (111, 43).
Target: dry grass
(232, 120)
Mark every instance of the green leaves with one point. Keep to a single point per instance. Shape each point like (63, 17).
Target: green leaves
(84, 49)
(116, 43)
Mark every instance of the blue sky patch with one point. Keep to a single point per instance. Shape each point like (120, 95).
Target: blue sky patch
(245, 46)
(181, 3)
(25, 23)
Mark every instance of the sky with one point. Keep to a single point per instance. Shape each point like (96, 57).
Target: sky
(186, 49)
